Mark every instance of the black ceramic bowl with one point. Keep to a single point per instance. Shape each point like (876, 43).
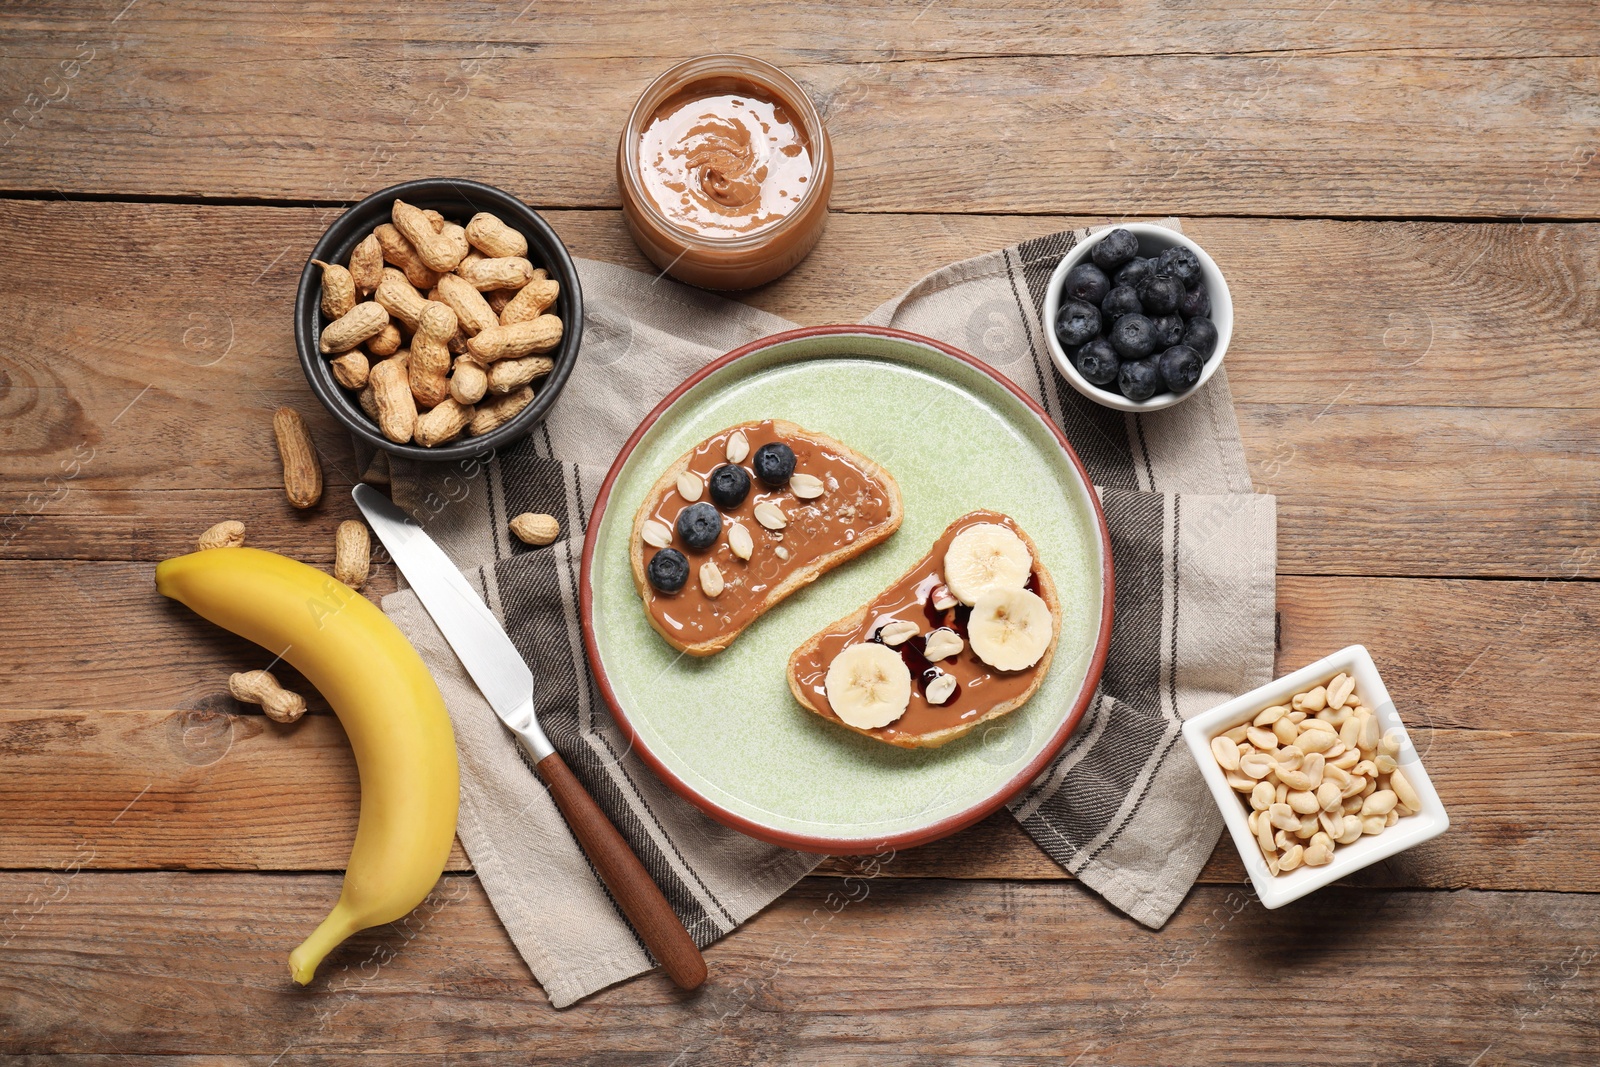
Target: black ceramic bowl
(458, 201)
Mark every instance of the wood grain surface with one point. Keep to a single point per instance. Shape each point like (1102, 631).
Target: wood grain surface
(1405, 201)
(870, 970)
(1397, 437)
(1064, 114)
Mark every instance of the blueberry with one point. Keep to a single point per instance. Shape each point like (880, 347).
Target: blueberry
(1119, 302)
(774, 463)
(729, 485)
(1180, 367)
(1196, 303)
(1180, 263)
(1076, 323)
(1160, 294)
(668, 570)
(1201, 335)
(1114, 249)
(1097, 361)
(1169, 331)
(1134, 337)
(1139, 379)
(699, 526)
(1086, 282)
(1133, 272)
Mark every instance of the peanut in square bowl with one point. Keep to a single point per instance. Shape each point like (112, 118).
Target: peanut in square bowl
(1277, 887)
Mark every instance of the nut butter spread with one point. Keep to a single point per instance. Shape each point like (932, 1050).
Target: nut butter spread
(979, 687)
(852, 504)
(725, 161)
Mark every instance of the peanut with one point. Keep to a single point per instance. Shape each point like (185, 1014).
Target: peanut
(468, 382)
(531, 301)
(497, 411)
(1405, 792)
(302, 472)
(338, 290)
(494, 238)
(534, 529)
(386, 342)
(398, 252)
(499, 298)
(366, 263)
(511, 374)
(472, 310)
(519, 339)
(350, 369)
(711, 583)
(430, 354)
(400, 298)
(439, 250)
(352, 553)
(368, 400)
(228, 534)
(391, 395)
(444, 423)
(260, 687)
(508, 272)
(359, 323)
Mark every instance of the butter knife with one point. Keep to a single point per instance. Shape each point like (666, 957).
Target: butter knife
(507, 684)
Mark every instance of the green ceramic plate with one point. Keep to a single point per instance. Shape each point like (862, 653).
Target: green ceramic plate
(725, 731)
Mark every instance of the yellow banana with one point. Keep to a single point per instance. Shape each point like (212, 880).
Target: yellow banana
(387, 702)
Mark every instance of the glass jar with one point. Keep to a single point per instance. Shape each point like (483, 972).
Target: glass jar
(713, 256)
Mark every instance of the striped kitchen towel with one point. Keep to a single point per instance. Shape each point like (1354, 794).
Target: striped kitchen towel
(1123, 807)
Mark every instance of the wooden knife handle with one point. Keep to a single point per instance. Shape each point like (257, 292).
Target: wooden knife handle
(630, 884)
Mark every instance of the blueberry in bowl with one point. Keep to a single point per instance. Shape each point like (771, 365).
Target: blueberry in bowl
(1165, 295)
(1134, 271)
(1120, 301)
(1139, 379)
(1133, 336)
(1077, 323)
(1118, 247)
(1097, 361)
(1160, 293)
(1169, 330)
(1088, 283)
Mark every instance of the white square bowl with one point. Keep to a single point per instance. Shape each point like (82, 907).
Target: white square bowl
(1276, 890)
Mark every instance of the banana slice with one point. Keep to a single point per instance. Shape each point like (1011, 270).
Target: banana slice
(869, 685)
(983, 557)
(1010, 628)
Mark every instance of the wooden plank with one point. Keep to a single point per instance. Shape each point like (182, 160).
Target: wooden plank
(1350, 384)
(96, 635)
(205, 788)
(1301, 124)
(800, 32)
(879, 970)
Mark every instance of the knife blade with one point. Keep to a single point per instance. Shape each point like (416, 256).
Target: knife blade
(500, 673)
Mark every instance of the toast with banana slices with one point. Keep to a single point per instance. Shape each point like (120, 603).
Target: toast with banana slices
(963, 637)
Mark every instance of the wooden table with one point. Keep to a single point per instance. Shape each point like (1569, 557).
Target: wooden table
(1403, 196)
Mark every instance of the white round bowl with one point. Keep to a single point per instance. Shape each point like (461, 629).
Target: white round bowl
(1153, 240)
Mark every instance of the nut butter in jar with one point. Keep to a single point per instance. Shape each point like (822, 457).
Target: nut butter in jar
(725, 171)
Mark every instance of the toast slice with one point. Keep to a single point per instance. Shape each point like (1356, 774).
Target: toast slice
(983, 692)
(850, 503)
